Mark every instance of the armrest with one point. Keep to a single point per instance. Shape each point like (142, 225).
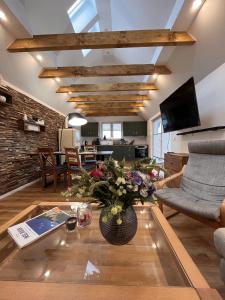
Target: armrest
(160, 184)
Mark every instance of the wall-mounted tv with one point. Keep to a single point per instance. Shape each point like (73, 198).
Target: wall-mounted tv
(180, 109)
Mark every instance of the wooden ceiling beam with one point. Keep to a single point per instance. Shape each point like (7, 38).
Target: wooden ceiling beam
(110, 70)
(116, 110)
(105, 98)
(131, 86)
(109, 105)
(101, 40)
(109, 114)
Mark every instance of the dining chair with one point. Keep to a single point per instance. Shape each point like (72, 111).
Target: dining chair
(49, 166)
(74, 165)
(90, 158)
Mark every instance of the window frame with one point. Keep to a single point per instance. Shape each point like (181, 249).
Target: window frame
(161, 134)
(111, 130)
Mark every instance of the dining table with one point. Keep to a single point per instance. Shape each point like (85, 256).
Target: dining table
(100, 155)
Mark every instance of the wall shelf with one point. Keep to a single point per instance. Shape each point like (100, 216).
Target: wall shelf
(4, 92)
(30, 126)
(202, 130)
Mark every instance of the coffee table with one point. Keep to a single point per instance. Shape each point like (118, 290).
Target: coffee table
(82, 265)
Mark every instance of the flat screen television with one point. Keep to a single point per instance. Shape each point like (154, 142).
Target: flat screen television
(180, 109)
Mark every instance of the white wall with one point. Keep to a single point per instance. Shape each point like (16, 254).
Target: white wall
(211, 102)
(204, 61)
(22, 69)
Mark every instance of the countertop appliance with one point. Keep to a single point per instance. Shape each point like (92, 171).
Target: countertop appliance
(141, 151)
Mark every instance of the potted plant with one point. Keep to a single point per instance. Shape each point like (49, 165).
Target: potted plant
(116, 189)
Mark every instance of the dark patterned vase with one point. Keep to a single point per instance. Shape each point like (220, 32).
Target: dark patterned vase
(119, 234)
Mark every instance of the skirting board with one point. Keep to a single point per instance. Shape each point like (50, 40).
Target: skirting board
(18, 189)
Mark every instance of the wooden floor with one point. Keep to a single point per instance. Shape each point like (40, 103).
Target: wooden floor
(197, 238)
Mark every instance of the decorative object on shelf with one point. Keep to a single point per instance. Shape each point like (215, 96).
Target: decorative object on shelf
(116, 189)
(30, 126)
(5, 96)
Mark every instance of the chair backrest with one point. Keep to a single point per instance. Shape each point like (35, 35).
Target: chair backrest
(72, 157)
(204, 175)
(47, 158)
(90, 157)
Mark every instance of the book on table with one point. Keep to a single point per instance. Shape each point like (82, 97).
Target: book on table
(31, 230)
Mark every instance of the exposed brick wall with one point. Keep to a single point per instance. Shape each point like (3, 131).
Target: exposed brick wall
(16, 166)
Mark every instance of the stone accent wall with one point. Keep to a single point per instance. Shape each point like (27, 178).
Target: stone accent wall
(17, 167)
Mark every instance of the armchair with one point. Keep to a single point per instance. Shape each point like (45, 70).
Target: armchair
(202, 188)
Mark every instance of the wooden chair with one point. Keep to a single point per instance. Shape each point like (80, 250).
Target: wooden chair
(201, 194)
(74, 164)
(90, 158)
(49, 166)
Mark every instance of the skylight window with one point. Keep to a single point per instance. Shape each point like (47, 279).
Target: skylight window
(82, 14)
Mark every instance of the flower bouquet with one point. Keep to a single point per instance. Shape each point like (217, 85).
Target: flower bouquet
(116, 189)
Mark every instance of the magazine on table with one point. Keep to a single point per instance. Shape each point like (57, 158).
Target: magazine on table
(31, 230)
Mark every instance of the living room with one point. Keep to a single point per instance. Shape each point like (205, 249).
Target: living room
(116, 105)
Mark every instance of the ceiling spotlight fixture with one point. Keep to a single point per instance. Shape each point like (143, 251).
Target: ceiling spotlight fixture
(196, 4)
(155, 75)
(3, 16)
(69, 93)
(39, 57)
(57, 79)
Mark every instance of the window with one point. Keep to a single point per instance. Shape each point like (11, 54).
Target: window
(84, 17)
(112, 130)
(161, 141)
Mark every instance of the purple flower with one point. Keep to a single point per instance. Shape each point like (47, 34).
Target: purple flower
(137, 180)
(151, 190)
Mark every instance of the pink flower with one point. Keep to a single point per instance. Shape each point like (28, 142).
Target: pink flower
(97, 173)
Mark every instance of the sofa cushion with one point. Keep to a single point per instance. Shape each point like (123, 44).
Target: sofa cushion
(181, 200)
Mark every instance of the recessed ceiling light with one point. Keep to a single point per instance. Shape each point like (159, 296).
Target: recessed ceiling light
(39, 57)
(196, 4)
(57, 79)
(155, 75)
(2, 16)
(69, 93)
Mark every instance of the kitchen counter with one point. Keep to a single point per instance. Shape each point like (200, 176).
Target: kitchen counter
(120, 151)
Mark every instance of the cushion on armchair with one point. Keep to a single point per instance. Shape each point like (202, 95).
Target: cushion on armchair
(202, 188)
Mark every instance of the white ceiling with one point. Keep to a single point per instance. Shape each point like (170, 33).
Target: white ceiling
(50, 16)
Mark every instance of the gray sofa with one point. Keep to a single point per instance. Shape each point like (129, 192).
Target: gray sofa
(202, 189)
(219, 240)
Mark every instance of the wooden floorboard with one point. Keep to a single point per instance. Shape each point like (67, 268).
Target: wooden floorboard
(196, 237)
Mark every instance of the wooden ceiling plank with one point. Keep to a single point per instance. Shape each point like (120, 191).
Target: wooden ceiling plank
(105, 98)
(130, 86)
(110, 105)
(101, 40)
(110, 70)
(132, 110)
(109, 114)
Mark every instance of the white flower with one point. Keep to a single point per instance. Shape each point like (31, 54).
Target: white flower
(120, 180)
(135, 188)
(114, 210)
(144, 193)
(124, 191)
(119, 192)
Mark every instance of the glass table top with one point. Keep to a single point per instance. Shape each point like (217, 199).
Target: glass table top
(83, 256)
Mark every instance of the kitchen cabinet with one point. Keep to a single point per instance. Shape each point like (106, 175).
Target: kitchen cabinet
(120, 151)
(135, 128)
(90, 130)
